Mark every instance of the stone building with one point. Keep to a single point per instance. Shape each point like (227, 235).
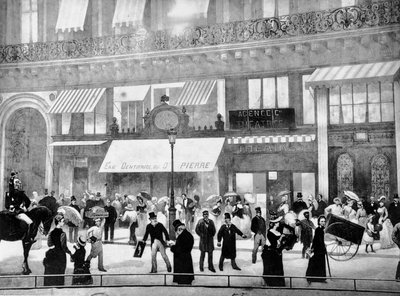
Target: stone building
(308, 93)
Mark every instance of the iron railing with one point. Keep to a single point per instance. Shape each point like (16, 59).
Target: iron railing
(14, 282)
(300, 24)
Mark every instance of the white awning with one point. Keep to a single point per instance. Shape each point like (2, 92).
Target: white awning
(71, 15)
(350, 74)
(189, 8)
(130, 93)
(77, 100)
(128, 12)
(77, 143)
(146, 156)
(196, 92)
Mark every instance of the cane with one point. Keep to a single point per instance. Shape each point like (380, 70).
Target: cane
(327, 261)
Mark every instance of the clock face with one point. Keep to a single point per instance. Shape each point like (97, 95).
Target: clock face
(166, 120)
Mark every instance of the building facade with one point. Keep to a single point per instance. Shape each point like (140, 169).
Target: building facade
(308, 93)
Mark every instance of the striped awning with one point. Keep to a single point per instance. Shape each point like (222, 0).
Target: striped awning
(350, 74)
(272, 139)
(77, 100)
(196, 92)
(128, 12)
(71, 15)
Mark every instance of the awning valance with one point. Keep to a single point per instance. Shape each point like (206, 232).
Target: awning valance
(77, 143)
(272, 139)
(130, 93)
(128, 12)
(196, 92)
(146, 156)
(351, 74)
(77, 100)
(71, 15)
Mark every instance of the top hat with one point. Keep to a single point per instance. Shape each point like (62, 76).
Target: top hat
(81, 241)
(299, 195)
(258, 209)
(98, 194)
(395, 196)
(73, 198)
(152, 215)
(176, 224)
(227, 216)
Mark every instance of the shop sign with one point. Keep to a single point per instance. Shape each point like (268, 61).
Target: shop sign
(275, 148)
(262, 118)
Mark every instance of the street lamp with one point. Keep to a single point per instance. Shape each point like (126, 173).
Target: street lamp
(172, 211)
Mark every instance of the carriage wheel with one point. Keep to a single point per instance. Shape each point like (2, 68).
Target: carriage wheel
(338, 248)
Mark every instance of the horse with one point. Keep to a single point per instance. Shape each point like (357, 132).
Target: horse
(13, 229)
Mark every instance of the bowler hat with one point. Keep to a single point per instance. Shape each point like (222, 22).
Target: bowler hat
(258, 209)
(299, 194)
(152, 215)
(176, 224)
(227, 216)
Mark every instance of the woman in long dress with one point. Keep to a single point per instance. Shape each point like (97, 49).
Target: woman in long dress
(387, 227)
(361, 214)
(317, 264)
(55, 261)
(141, 209)
(272, 255)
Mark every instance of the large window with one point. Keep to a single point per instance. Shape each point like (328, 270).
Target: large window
(95, 122)
(272, 92)
(361, 103)
(29, 21)
(308, 103)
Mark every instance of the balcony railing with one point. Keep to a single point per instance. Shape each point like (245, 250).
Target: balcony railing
(301, 24)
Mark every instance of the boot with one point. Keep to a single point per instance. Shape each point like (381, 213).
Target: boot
(221, 263)
(234, 265)
(30, 239)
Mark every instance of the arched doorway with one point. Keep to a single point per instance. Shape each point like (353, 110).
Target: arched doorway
(25, 148)
(380, 177)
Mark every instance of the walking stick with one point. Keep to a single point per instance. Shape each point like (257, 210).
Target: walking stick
(327, 260)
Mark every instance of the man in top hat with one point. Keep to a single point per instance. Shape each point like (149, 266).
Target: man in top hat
(73, 229)
(205, 229)
(156, 231)
(95, 234)
(228, 232)
(259, 228)
(110, 220)
(299, 204)
(394, 210)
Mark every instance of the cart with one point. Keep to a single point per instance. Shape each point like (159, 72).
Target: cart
(342, 238)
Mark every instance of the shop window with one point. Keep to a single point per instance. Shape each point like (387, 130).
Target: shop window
(253, 184)
(272, 92)
(344, 173)
(380, 177)
(308, 103)
(361, 103)
(65, 123)
(275, 8)
(29, 21)
(304, 183)
(95, 122)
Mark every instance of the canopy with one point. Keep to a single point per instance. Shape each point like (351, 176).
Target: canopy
(77, 100)
(71, 15)
(154, 155)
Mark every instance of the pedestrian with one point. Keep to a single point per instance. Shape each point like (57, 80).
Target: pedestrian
(306, 233)
(182, 249)
(394, 210)
(335, 208)
(187, 205)
(227, 233)
(156, 231)
(317, 264)
(110, 220)
(130, 215)
(141, 209)
(299, 205)
(386, 226)
(80, 265)
(283, 207)
(272, 254)
(95, 234)
(205, 229)
(370, 234)
(372, 208)
(319, 207)
(55, 261)
(396, 240)
(259, 228)
(73, 229)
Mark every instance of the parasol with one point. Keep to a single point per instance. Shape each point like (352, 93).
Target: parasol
(351, 195)
(230, 194)
(284, 192)
(145, 195)
(163, 199)
(249, 197)
(70, 215)
(213, 197)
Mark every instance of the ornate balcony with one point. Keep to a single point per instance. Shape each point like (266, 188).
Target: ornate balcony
(297, 25)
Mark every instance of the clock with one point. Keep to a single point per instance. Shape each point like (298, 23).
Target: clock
(166, 119)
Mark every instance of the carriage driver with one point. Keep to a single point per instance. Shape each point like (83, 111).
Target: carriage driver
(19, 203)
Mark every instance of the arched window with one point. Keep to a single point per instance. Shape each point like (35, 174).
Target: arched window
(344, 173)
(380, 181)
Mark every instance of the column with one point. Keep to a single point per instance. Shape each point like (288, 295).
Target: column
(322, 125)
(396, 88)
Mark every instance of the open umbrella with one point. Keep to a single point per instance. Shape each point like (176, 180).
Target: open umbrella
(282, 193)
(70, 215)
(145, 195)
(163, 199)
(213, 197)
(351, 195)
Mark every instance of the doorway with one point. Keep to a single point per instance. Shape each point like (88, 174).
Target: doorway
(80, 181)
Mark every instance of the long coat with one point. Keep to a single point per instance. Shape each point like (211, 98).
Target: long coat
(206, 232)
(316, 264)
(183, 262)
(229, 243)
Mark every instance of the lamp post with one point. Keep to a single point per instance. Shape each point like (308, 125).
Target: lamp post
(172, 211)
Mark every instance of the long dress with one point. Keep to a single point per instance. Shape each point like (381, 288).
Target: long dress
(183, 262)
(387, 229)
(317, 264)
(55, 261)
(142, 219)
(81, 267)
(272, 261)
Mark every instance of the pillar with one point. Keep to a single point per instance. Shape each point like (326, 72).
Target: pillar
(322, 125)
(396, 88)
